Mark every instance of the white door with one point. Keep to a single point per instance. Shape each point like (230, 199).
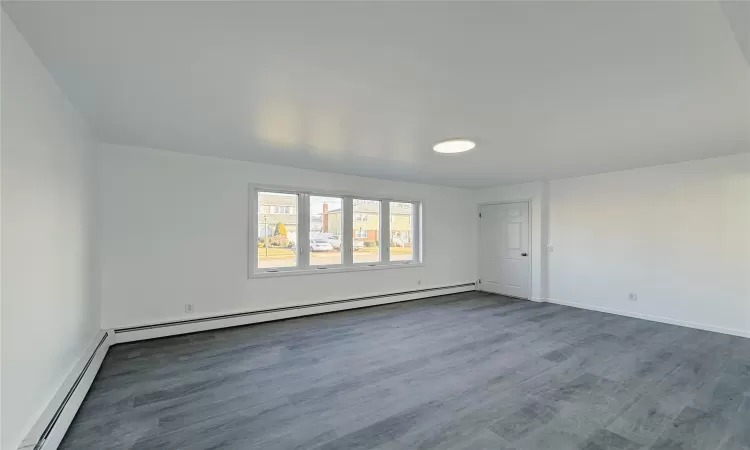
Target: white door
(504, 260)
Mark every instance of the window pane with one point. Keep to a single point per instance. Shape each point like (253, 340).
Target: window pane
(402, 231)
(366, 231)
(326, 221)
(277, 230)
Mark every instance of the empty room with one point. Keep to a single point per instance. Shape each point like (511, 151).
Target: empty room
(272, 225)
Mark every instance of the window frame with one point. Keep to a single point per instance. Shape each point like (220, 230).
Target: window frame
(254, 240)
(415, 236)
(310, 265)
(380, 229)
(347, 264)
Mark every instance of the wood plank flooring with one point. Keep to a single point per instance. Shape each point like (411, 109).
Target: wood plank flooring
(466, 371)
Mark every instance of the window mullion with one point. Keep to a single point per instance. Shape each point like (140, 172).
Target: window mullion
(385, 232)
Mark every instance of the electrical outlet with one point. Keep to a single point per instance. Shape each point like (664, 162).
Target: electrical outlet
(188, 307)
(551, 248)
(632, 297)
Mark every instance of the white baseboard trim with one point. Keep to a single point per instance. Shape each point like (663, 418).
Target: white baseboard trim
(138, 333)
(682, 323)
(51, 426)
(538, 299)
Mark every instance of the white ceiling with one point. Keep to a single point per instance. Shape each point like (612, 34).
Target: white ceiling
(547, 89)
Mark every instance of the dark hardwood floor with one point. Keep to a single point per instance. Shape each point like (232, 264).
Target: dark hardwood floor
(467, 371)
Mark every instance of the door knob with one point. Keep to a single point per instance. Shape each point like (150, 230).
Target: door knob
(523, 254)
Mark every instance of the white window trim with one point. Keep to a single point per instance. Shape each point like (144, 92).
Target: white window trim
(380, 230)
(316, 267)
(347, 235)
(253, 255)
(416, 235)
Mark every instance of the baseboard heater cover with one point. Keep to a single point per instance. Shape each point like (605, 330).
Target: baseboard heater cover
(58, 412)
(286, 308)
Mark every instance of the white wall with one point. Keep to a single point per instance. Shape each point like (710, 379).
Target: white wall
(49, 310)
(536, 193)
(173, 230)
(676, 235)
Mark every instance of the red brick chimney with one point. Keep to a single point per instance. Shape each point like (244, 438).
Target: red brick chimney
(325, 217)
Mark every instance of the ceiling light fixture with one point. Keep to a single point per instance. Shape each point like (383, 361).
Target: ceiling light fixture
(454, 146)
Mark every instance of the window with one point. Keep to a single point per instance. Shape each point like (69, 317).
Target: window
(402, 231)
(277, 234)
(366, 231)
(325, 227)
(304, 232)
(279, 209)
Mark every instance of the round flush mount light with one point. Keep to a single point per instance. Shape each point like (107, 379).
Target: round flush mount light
(454, 146)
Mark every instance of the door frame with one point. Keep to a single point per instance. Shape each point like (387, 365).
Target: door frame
(528, 201)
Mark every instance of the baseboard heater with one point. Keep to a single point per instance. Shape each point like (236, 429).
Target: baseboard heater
(58, 412)
(286, 308)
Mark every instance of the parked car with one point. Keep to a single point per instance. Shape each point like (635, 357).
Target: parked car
(398, 242)
(335, 242)
(320, 245)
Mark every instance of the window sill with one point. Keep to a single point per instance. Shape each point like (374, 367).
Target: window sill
(317, 271)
